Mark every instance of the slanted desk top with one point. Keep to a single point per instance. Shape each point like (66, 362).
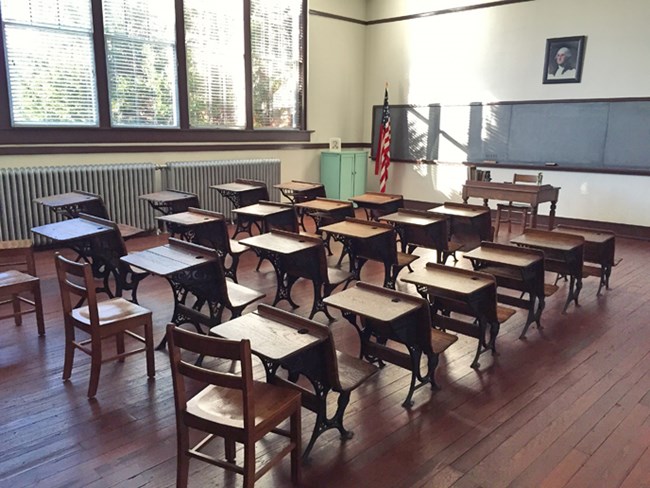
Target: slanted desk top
(372, 198)
(505, 255)
(548, 240)
(280, 242)
(324, 204)
(356, 229)
(65, 199)
(169, 259)
(68, 230)
(260, 210)
(445, 279)
(412, 217)
(188, 218)
(460, 210)
(297, 186)
(270, 337)
(166, 196)
(235, 187)
(374, 302)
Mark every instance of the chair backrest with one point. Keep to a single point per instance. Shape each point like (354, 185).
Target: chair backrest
(76, 280)
(178, 206)
(310, 264)
(110, 245)
(184, 341)
(18, 255)
(520, 178)
(327, 218)
(327, 347)
(305, 196)
(213, 234)
(209, 282)
(382, 247)
(255, 195)
(95, 207)
(286, 219)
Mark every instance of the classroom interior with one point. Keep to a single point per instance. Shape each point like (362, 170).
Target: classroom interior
(569, 405)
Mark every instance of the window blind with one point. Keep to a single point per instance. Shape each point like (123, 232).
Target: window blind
(214, 40)
(50, 62)
(276, 51)
(141, 62)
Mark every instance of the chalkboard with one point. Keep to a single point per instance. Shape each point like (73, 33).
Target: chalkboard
(590, 134)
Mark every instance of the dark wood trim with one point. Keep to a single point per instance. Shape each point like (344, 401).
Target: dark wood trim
(5, 110)
(101, 70)
(566, 168)
(153, 148)
(136, 135)
(181, 68)
(303, 66)
(446, 11)
(318, 13)
(248, 65)
(628, 231)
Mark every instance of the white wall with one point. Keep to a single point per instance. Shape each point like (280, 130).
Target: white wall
(497, 54)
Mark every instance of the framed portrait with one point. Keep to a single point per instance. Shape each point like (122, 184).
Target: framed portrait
(563, 59)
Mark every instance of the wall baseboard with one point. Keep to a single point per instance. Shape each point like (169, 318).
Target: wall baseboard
(628, 231)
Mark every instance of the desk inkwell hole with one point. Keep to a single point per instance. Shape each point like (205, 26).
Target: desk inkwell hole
(198, 257)
(301, 240)
(474, 278)
(396, 300)
(302, 331)
(373, 228)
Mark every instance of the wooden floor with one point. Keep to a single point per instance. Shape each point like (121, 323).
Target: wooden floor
(568, 406)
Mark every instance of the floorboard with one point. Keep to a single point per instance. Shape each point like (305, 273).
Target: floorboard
(568, 406)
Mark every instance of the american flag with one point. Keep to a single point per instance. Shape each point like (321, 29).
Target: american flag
(383, 149)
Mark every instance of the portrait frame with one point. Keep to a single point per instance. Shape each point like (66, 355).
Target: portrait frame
(572, 72)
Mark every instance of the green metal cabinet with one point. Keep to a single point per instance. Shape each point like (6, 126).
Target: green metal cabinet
(343, 173)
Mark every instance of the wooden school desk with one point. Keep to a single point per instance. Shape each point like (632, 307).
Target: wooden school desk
(304, 348)
(377, 204)
(600, 248)
(563, 254)
(380, 315)
(515, 268)
(465, 292)
(476, 217)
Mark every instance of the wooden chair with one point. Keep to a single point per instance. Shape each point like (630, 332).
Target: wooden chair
(505, 212)
(234, 407)
(100, 320)
(215, 235)
(312, 265)
(14, 283)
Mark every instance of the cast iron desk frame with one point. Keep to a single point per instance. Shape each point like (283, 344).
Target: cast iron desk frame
(515, 268)
(397, 319)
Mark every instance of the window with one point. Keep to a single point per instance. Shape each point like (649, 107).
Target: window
(50, 62)
(202, 70)
(214, 40)
(276, 50)
(141, 62)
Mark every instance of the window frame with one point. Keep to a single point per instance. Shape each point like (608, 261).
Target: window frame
(106, 134)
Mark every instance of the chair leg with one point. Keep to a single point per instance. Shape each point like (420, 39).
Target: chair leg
(38, 303)
(296, 438)
(149, 347)
(119, 343)
(69, 352)
(95, 366)
(249, 464)
(229, 445)
(182, 459)
(497, 224)
(15, 302)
